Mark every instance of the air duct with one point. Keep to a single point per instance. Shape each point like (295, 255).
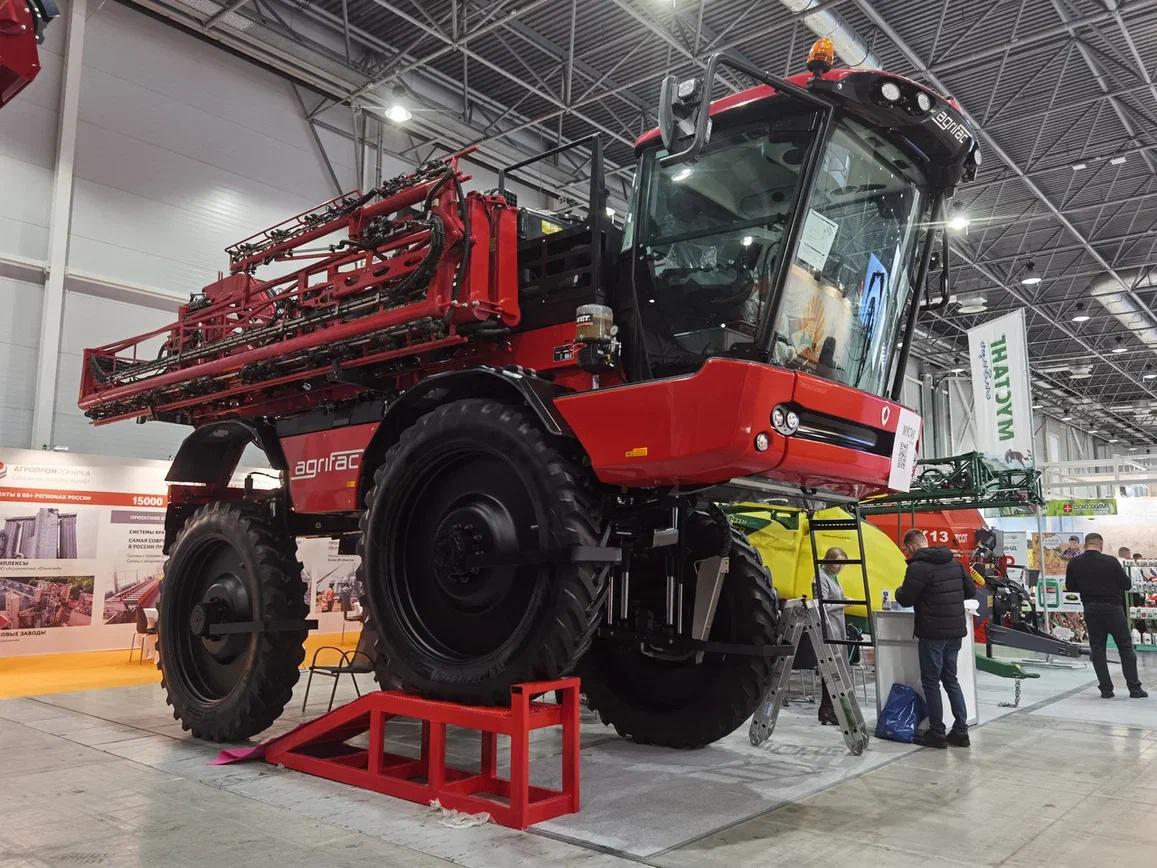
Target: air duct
(823, 22)
(1121, 302)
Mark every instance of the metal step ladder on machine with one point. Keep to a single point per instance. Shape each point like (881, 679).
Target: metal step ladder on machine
(805, 617)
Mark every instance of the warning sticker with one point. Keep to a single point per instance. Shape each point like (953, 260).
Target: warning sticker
(815, 241)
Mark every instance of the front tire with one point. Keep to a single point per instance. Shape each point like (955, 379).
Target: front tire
(471, 481)
(231, 559)
(681, 703)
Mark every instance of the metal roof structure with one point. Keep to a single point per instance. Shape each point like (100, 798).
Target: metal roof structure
(1061, 93)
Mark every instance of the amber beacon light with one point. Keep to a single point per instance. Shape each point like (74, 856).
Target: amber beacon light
(822, 56)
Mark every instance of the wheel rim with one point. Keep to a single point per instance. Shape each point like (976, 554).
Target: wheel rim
(214, 589)
(459, 506)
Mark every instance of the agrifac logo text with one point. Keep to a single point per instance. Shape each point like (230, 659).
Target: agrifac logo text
(957, 130)
(310, 468)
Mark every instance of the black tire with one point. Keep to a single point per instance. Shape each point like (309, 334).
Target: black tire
(477, 478)
(230, 688)
(681, 703)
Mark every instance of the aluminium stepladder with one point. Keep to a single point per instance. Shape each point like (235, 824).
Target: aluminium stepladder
(801, 619)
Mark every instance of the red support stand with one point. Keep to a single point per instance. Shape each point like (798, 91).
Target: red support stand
(320, 748)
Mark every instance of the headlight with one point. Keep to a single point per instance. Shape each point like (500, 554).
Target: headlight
(784, 420)
(976, 156)
(923, 101)
(890, 91)
(761, 442)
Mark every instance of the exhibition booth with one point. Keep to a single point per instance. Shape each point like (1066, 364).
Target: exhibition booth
(80, 553)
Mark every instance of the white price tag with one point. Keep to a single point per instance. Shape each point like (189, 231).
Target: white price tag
(904, 451)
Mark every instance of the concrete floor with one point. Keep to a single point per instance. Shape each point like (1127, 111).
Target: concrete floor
(107, 778)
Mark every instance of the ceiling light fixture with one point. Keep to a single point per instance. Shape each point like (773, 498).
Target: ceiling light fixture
(958, 222)
(1117, 161)
(1078, 166)
(973, 304)
(398, 111)
(1031, 278)
(1080, 315)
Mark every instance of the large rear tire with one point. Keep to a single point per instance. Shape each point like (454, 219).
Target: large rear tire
(231, 561)
(470, 481)
(682, 703)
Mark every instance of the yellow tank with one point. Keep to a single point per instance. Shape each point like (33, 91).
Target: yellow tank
(780, 533)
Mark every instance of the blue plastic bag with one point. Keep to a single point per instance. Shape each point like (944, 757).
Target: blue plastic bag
(901, 714)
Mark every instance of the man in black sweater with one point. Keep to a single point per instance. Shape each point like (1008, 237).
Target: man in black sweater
(1102, 584)
(936, 585)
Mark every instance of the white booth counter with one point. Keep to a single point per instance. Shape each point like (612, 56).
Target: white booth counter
(898, 659)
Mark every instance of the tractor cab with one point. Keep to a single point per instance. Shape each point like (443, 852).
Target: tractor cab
(789, 223)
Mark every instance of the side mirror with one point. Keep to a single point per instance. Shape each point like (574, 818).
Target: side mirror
(680, 103)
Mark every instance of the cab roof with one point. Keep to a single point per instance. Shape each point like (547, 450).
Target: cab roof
(802, 79)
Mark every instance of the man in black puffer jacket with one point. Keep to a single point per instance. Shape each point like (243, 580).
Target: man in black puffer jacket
(936, 585)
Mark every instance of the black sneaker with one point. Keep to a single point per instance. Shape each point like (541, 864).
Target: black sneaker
(958, 739)
(1106, 694)
(1138, 693)
(927, 739)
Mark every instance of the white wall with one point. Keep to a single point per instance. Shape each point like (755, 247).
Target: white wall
(19, 322)
(27, 155)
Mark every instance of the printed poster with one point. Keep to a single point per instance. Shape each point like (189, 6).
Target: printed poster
(80, 552)
(80, 548)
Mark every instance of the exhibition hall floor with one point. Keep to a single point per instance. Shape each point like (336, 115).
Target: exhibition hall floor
(106, 777)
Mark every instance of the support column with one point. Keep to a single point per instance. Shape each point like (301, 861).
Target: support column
(59, 227)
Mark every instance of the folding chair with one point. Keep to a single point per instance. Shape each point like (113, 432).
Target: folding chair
(360, 661)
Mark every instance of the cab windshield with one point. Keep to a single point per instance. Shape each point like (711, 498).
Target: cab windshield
(713, 232)
(845, 293)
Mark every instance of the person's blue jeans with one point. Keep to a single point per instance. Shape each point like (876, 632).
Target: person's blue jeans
(938, 666)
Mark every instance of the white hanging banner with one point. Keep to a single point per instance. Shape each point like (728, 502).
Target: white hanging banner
(1001, 391)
